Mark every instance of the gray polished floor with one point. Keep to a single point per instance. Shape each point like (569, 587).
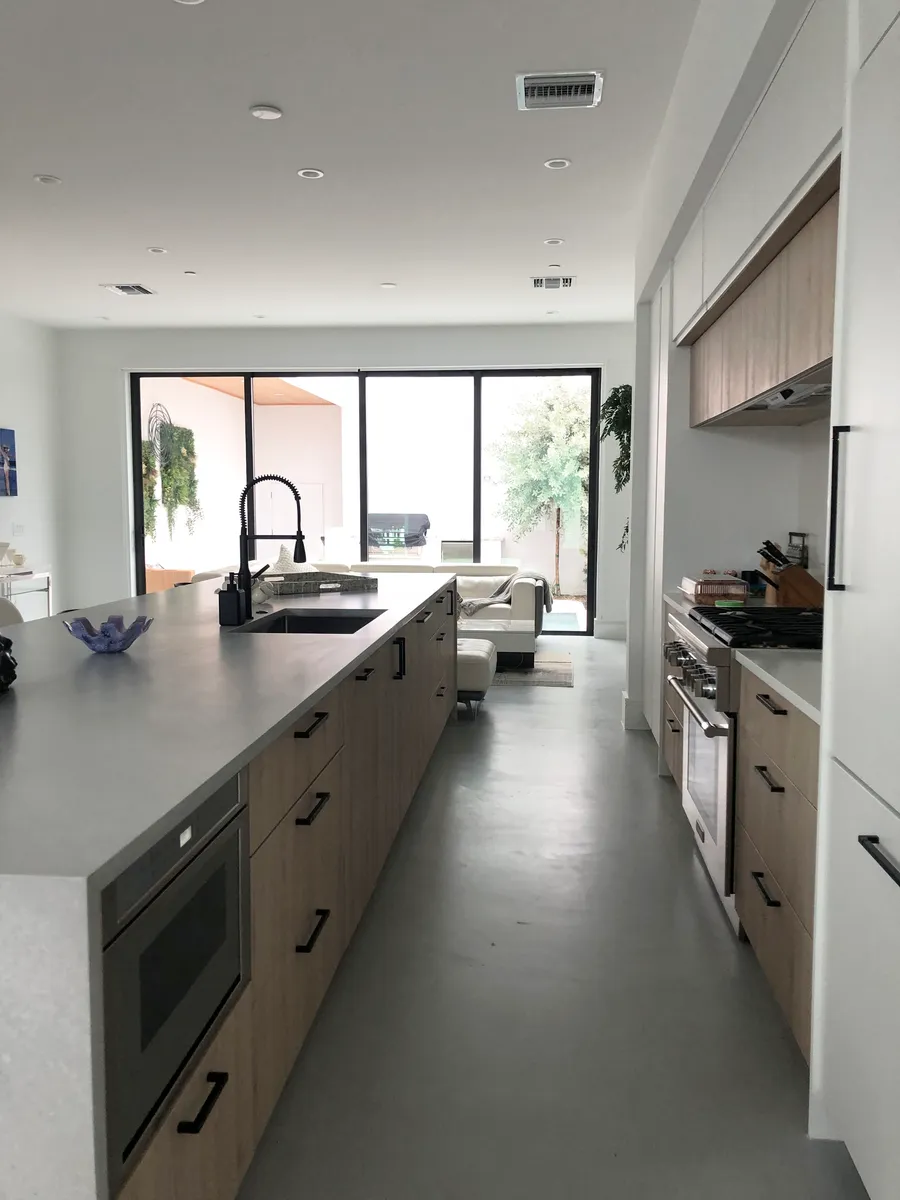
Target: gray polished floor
(543, 999)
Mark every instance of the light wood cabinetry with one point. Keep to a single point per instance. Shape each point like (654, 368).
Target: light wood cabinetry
(781, 326)
(204, 1145)
(776, 781)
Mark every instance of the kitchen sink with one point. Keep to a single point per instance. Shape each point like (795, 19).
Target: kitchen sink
(292, 620)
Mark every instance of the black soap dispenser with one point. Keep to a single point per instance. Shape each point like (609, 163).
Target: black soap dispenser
(232, 603)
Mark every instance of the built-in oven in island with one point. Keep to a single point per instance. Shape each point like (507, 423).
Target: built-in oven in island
(176, 957)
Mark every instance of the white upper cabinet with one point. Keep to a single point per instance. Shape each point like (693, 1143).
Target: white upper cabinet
(799, 117)
(687, 278)
(864, 649)
(874, 18)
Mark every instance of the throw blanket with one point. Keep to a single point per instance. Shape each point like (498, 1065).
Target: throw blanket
(503, 594)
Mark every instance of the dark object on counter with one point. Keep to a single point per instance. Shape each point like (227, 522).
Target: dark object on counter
(232, 609)
(763, 628)
(244, 579)
(7, 665)
(798, 549)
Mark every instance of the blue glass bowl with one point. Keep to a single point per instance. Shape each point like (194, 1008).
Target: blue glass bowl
(112, 637)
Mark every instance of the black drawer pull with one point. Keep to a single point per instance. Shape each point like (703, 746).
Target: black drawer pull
(323, 914)
(832, 584)
(758, 880)
(701, 832)
(442, 691)
(424, 616)
(367, 673)
(871, 843)
(673, 725)
(218, 1079)
(320, 720)
(400, 643)
(763, 773)
(767, 702)
(440, 636)
(322, 798)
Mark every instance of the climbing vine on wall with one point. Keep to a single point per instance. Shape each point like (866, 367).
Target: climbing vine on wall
(150, 475)
(615, 421)
(170, 456)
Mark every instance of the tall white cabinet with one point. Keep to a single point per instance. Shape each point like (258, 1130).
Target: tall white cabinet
(856, 1013)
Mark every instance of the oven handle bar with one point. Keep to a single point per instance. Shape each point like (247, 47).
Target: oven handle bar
(687, 700)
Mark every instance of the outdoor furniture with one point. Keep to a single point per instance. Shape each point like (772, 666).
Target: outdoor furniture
(476, 665)
(397, 532)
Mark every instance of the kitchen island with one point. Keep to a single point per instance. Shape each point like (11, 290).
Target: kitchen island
(104, 759)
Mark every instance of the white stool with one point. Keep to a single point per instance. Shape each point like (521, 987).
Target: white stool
(476, 665)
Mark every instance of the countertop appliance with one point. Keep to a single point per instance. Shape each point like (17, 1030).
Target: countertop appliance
(176, 956)
(706, 679)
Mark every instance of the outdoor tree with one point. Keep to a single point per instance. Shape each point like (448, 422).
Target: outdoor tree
(545, 466)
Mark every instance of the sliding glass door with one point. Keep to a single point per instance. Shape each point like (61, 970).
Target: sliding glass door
(426, 467)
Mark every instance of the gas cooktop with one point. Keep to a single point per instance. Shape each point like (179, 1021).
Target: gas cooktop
(762, 628)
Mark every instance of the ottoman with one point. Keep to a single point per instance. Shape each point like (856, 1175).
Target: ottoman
(476, 664)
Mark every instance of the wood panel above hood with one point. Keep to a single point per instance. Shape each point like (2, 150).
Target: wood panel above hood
(777, 331)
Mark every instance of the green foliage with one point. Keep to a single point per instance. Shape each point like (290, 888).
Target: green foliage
(615, 421)
(178, 473)
(150, 475)
(545, 465)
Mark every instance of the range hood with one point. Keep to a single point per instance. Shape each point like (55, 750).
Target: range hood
(811, 390)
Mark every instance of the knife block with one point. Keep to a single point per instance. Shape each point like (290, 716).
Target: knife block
(792, 587)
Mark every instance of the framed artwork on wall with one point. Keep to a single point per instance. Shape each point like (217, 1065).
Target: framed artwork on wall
(8, 474)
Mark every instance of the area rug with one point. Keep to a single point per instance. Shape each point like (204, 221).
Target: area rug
(552, 668)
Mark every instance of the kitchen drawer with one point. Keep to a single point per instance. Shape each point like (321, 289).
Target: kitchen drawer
(207, 1160)
(283, 772)
(787, 735)
(859, 970)
(781, 823)
(781, 944)
(673, 740)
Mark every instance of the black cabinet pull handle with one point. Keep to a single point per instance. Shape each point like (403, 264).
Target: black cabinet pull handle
(836, 432)
(442, 691)
(320, 720)
(400, 643)
(423, 617)
(673, 725)
(323, 914)
(701, 832)
(767, 702)
(367, 672)
(440, 637)
(763, 773)
(758, 880)
(871, 843)
(322, 798)
(451, 609)
(218, 1079)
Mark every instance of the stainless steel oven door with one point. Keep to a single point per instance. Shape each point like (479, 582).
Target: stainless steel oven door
(708, 788)
(167, 977)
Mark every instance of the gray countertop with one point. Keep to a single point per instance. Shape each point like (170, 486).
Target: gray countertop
(102, 754)
(795, 674)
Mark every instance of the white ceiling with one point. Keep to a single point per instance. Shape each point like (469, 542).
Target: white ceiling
(433, 179)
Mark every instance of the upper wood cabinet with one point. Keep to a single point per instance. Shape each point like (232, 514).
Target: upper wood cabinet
(781, 326)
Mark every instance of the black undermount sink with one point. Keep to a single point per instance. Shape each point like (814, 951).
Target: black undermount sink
(290, 620)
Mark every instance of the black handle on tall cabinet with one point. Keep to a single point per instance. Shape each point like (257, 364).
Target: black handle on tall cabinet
(870, 842)
(218, 1079)
(836, 432)
(400, 643)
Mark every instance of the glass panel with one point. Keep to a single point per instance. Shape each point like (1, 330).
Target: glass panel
(535, 461)
(703, 776)
(307, 429)
(420, 445)
(194, 467)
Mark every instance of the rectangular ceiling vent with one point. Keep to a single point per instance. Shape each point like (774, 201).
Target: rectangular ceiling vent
(560, 89)
(552, 283)
(128, 289)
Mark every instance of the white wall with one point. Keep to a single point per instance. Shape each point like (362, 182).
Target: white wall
(27, 405)
(813, 457)
(93, 408)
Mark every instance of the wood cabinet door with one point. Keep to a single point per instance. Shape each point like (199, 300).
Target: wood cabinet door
(203, 1147)
(763, 314)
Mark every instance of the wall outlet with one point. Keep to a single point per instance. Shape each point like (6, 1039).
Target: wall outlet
(18, 530)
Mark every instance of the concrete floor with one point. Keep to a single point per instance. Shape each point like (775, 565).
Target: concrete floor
(543, 1001)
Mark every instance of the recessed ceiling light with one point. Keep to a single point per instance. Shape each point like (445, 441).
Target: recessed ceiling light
(388, 286)
(260, 316)
(557, 164)
(278, 393)
(190, 272)
(266, 112)
(554, 241)
(188, 1)
(157, 250)
(552, 312)
(554, 266)
(311, 173)
(46, 179)
(103, 318)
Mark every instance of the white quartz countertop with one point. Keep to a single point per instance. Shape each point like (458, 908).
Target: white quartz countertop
(795, 674)
(100, 755)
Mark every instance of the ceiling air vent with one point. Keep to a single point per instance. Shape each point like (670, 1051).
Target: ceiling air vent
(552, 283)
(560, 89)
(128, 289)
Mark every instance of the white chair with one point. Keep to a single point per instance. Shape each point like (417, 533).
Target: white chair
(9, 614)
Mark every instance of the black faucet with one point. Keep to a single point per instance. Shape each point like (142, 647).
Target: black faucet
(244, 580)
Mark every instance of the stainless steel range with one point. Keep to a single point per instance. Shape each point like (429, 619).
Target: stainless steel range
(704, 676)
